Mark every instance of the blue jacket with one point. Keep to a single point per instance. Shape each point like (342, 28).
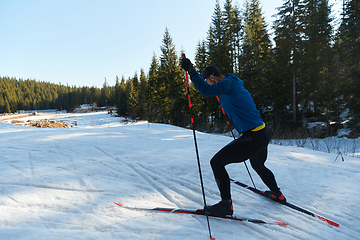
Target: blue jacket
(234, 99)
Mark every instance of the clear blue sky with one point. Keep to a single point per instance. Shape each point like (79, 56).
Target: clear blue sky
(81, 42)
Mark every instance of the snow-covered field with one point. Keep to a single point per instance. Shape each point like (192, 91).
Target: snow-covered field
(61, 184)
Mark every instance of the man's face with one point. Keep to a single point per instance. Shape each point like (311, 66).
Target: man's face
(211, 80)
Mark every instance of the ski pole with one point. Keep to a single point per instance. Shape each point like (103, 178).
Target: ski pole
(228, 123)
(196, 147)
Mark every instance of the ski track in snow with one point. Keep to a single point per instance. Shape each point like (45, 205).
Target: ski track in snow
(155, 181)
(162, 182)
(61, 184)
(31, 166)
(176, 190)
(167, 187)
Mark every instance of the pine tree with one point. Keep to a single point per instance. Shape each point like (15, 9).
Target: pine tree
(7, 108)
(201, 57)
(132, 89)
(348, 50)
(218, 45)
(153, 92)
(117, 93)
(232, 34)
(287, 59)
(105, 94)
(2, 103)
(143, 102)
(317, 56)
(255, 57)
(171, 83)
(122, 105)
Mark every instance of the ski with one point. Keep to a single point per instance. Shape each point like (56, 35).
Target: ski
(199, 212)
(332, 223)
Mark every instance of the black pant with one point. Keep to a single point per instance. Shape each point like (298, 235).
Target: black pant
(251, 145)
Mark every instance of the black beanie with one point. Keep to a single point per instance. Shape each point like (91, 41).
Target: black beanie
(210, 70)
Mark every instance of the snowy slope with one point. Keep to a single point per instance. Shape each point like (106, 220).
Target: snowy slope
(61, 184)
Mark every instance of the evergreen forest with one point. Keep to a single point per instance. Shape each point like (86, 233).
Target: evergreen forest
(304, 67)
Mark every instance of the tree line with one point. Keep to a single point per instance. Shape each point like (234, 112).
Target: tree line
(19, 94)
(308, 70)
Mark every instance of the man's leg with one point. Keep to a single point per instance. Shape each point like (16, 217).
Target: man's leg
(238, 150)
(257, 163)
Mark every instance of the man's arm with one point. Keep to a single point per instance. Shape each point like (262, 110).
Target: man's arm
(220, 88)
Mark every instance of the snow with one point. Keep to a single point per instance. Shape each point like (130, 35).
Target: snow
(61, 184)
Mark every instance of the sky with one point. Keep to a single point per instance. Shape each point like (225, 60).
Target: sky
(82, 42)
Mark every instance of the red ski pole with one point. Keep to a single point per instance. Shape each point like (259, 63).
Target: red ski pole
(196, 147)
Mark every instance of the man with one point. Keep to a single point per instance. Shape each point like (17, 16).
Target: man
(240, 108)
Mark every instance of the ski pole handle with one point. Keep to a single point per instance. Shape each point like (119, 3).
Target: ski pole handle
(188, 91)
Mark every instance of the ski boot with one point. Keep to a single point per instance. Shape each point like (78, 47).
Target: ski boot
(276, 196)
(223, 208)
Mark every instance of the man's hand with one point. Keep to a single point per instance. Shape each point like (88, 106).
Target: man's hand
(187, 65)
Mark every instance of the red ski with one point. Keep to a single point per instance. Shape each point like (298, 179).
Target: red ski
(199, 212)
(332, 223)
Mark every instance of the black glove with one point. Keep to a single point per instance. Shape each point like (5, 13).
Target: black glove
(187, 65)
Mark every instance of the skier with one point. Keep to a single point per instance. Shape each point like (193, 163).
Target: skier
(240, 108)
